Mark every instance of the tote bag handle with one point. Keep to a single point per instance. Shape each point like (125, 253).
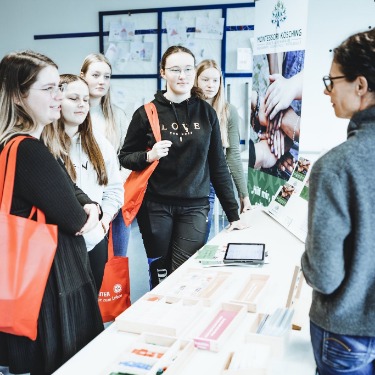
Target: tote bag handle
(8, 162)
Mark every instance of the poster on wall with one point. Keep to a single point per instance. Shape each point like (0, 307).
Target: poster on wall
(276, 98)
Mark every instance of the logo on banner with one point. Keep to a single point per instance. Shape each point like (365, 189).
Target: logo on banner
(279, 13)
(117, 288)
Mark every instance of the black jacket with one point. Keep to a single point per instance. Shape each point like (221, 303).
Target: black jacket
(195, 157)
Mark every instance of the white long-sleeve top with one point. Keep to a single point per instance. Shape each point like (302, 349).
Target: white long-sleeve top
(110, 196)
(99, 126)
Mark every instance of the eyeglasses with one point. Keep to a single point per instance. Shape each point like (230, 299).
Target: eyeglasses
(52, 90)
(189, 71)
(328, 82)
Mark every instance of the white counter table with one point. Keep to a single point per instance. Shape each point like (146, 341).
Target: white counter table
(284, 251)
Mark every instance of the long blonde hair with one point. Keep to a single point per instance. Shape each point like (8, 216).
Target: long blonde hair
(112, 130)
(59, 143)
(218, 103)
(18, 71)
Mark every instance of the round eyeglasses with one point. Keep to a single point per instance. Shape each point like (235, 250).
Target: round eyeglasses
(328, 81)
(189, 71)
(52, 90)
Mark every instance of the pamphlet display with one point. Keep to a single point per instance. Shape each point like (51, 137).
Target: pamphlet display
(290, 205)
(151, 355)
(197, 284)
(211, 255)
(208, 320)
(217, 326)
(160, 314)
(253, 291)
(272, 330)
(251, 358)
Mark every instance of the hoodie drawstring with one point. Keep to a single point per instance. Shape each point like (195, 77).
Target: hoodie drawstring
(187, 118)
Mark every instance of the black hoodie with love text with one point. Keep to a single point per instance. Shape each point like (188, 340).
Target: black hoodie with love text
(195, 158)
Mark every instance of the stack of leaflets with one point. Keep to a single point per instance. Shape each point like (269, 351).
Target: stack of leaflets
(211, 255)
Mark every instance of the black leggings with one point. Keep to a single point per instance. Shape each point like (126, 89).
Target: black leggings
(98, 257)
(172, 234)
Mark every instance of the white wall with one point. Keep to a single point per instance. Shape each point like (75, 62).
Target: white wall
(329, 23)
(20, 20)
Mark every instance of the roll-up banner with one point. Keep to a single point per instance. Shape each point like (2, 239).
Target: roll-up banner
(276, 98)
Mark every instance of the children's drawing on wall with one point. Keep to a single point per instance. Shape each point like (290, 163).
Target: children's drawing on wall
(176, 31)
(209, 28)
(141, 51)
(112, 53)
(121, 31)
(120, 54)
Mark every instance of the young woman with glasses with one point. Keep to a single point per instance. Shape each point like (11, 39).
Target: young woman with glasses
(338, 258)
(69, 318)
(209, 79)
(173, 216)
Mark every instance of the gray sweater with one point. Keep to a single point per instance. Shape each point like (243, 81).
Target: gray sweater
(233, 154)
(339, 259)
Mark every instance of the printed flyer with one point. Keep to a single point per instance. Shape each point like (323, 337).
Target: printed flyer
(276, 98)
(290, 205)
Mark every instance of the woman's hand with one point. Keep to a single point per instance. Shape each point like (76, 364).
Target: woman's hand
(92, 212)
(158, 151)
(245, 204)
(236, 225)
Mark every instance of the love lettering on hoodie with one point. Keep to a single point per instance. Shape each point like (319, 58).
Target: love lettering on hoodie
(173, 127)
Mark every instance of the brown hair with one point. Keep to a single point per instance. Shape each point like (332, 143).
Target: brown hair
(59, 142)
(176, 49)
(18, 71)
(356, 56)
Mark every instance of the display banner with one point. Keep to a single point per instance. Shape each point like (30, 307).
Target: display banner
(276, 99)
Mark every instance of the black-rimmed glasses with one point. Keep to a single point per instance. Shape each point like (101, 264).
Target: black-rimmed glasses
(328, 81)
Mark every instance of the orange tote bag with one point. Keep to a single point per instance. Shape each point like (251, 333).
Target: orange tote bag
(27, 250)
(136, 184)
(114, 294)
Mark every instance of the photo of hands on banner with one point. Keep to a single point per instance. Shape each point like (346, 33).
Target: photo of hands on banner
(275, 112)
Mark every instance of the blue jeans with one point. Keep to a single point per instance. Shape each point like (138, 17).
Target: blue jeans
(211, 199)
(342, 354)
(120, 235)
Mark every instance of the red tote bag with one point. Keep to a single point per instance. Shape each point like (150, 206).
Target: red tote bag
(27, 250)
(114, 294)
(136, 184)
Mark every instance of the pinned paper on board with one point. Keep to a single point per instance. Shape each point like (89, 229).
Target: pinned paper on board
(121, 31)
(176, 31)
(141, 51)
(244, 59)
(209, 28)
